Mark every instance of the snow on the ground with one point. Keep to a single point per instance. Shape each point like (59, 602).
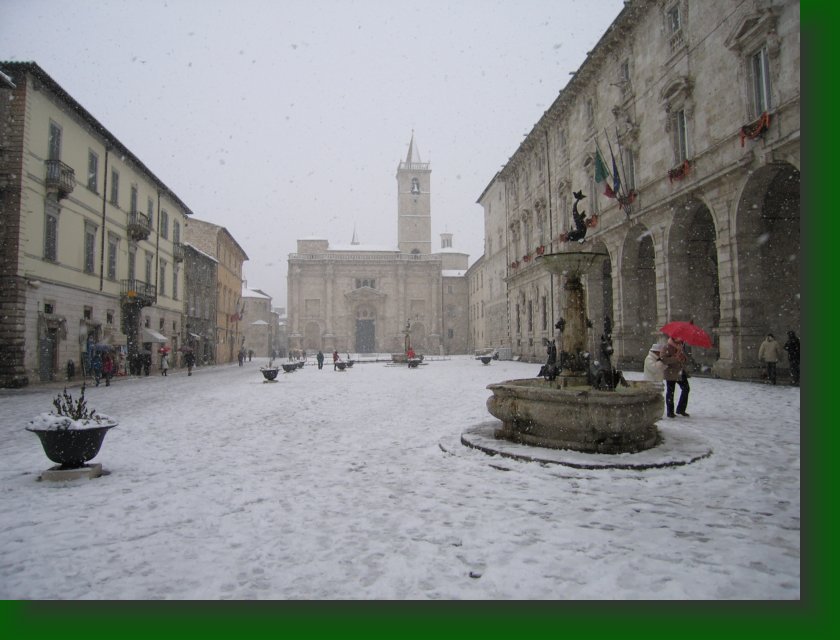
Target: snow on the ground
(332, 485)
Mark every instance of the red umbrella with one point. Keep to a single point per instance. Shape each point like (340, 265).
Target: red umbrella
(164, 350)
(689, 333)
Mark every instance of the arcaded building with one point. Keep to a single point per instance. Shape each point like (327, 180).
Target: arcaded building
(364, 299)
(692, 110)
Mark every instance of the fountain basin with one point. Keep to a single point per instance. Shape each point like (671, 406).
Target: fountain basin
(548, 414)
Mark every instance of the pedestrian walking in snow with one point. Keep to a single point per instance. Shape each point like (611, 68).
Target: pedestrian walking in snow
(189, 360)
(107, 369)
(335, 360)
(675, 359)
(792, 348)
(96, 365)
(164, 364)
(770, 352)
(320, 359)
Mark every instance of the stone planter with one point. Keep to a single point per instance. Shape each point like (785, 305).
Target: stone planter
(72, 448)
(269, 373)
(288, 368)
(546, 414)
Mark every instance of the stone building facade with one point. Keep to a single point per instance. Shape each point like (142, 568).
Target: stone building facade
(217, 242)
(364, 299)
(90, 238)
(259, 323)
(699, 105)
(201, 278)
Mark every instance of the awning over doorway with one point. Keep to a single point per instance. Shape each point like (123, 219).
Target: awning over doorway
(150, 335)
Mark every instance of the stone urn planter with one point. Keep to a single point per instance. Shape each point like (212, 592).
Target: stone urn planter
(269, 373)
(288, 368)
(72, 434)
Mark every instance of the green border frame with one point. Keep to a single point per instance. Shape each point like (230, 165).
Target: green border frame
(811, 617)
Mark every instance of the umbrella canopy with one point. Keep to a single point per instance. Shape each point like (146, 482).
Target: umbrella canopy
(164, 349)
(689, 333)
(185, 349)
(102, 347)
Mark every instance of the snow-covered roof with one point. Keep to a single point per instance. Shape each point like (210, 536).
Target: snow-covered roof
(197, 250)
(453, 273)
(251, 293)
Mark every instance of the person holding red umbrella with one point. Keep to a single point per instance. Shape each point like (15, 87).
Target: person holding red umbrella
(674, 358)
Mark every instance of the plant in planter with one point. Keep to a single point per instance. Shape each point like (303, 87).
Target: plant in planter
(71, 434)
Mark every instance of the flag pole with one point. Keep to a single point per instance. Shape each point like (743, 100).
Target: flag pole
(621, 188)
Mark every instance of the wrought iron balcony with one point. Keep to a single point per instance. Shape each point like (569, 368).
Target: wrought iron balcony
(138, 292)
(139, 226)
(178, 252)
(61, 178)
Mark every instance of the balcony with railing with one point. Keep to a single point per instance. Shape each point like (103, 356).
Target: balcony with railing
(178, 252)
(139, 226)
(138, 292)
(60, 179)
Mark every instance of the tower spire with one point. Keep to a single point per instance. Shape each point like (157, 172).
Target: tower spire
(355, 239)
(413, 155)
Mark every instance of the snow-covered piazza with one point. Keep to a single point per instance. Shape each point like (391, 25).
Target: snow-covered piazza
(354, 485)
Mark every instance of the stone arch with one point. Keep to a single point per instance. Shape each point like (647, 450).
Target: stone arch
(767, 240)
(638, 294)
(365, 330)
(312, 340)
(693, 282)
(419, 340)
(599, 294)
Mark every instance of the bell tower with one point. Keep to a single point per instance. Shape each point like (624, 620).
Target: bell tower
(414, 211)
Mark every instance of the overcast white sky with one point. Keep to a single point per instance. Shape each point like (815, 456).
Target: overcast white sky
(287, 119)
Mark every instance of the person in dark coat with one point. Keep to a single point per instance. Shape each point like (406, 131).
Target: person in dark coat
(96, 365)
(675, 359)
(792, 348)
(320, 359)
(335, 360)
(189, 360)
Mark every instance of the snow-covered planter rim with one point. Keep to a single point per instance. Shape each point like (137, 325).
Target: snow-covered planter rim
(50, 421)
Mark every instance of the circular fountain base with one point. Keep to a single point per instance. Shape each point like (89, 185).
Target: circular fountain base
(557, 415)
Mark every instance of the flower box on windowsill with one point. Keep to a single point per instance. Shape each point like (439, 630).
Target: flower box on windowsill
(756, 128)
(679, 172)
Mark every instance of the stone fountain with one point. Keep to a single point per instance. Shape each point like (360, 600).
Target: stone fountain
(567, 412)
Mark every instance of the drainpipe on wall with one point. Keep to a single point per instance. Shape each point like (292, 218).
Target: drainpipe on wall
(102, 242)
(550, 231)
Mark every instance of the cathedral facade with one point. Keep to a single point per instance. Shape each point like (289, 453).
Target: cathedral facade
(366, 299)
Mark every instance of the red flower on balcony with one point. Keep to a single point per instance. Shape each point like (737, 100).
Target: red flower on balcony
(526, 258)
(514, 264)
(540, 250)
(680, 172)
(755, 128)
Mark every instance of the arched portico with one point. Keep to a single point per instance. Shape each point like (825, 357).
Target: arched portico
(767, 251)
(693, 282)
(638, 295)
